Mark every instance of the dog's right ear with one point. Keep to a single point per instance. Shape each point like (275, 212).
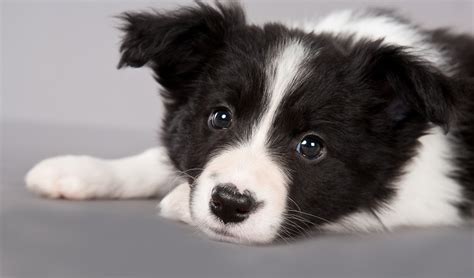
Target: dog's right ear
(176, 44)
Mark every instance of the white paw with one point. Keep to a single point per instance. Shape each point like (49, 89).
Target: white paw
(175, 205)
(70, 177)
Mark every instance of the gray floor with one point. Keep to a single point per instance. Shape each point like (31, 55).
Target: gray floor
(51, 238)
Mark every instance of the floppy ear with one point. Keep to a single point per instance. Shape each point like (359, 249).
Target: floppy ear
(409, 82)
(176, 44)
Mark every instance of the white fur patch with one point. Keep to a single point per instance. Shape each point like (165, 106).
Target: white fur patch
(424, 196)
(249, 166)
(175, 205)
(363, 25)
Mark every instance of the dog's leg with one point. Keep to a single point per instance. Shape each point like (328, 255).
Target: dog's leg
(83, 177)
(175, 205)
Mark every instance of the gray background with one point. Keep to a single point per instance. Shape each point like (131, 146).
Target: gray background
(60, 57)
(61, 93)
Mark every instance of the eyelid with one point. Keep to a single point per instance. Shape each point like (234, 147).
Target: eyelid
(227, 106)
(301, 135)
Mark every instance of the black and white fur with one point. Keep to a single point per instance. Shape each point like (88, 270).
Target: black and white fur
(392, 103)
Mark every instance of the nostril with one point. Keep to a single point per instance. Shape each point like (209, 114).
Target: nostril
(242, 210)
(216, 204)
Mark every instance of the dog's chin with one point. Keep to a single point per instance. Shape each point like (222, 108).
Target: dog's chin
(233, 234)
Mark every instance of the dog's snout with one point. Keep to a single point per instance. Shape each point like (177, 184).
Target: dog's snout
(229, 205)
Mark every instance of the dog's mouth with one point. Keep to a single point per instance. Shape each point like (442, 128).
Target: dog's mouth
(222, 234)
(231, 233)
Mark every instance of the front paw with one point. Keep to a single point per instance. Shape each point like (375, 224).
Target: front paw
(175, 205)
(70, 177)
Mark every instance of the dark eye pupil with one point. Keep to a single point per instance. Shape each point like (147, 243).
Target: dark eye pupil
(310, 147)
(220, 119)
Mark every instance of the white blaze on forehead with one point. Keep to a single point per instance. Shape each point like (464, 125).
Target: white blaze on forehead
(283, 71)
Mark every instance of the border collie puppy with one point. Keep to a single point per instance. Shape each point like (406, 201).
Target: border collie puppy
(359, 122)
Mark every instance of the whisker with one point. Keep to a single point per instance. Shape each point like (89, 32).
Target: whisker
(309, 214)
(299, 229)
(184, 174)
(294, 202)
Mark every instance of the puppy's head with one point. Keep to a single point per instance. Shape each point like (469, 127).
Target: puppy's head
(282, 131)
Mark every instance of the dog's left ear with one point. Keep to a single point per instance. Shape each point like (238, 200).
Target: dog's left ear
(176, 44)
(409, 83)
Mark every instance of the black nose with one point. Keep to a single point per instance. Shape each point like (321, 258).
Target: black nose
(230, 205)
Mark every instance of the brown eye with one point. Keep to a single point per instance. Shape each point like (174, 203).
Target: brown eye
(310, 147)
(220, 118)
